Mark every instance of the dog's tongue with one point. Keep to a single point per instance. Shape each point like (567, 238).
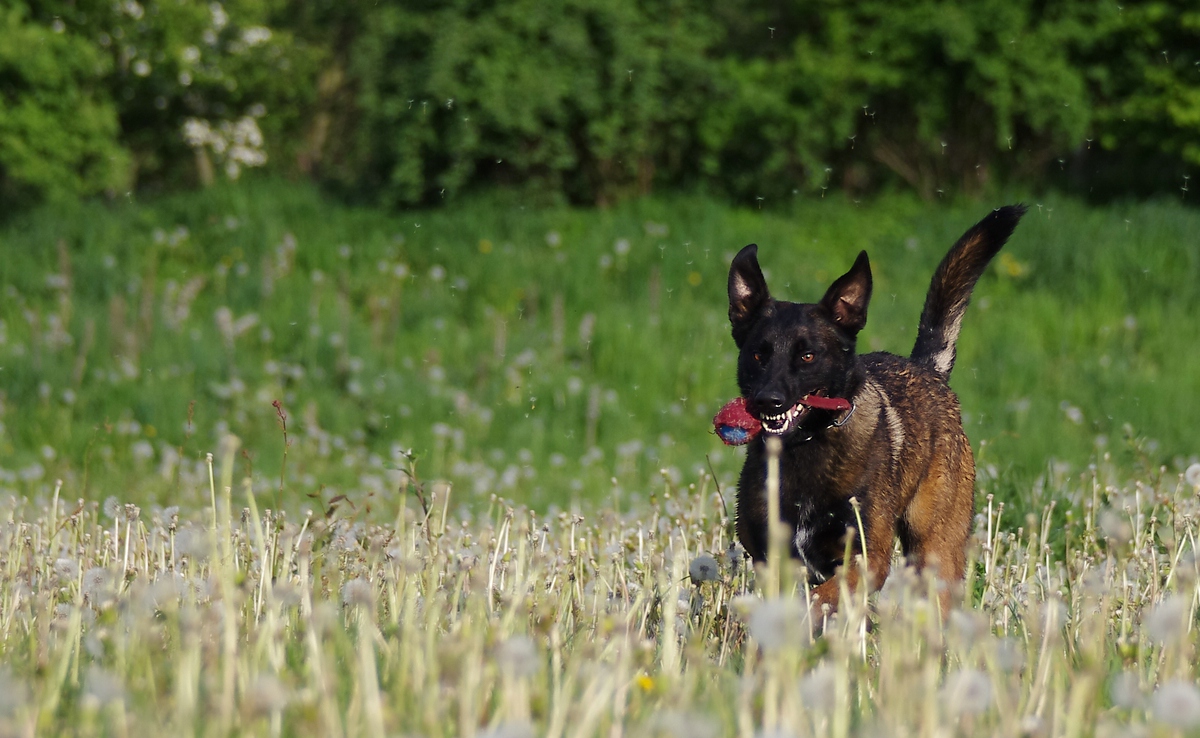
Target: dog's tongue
(734, 425)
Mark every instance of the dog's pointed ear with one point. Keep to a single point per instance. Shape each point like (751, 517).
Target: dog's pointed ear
(747, 292)
(847, 298)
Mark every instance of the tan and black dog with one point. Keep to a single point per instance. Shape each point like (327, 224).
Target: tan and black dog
(877, 427)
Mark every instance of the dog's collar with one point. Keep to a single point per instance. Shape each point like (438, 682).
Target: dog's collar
(835, 403)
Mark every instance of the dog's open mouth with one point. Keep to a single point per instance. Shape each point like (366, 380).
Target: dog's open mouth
(778, 425)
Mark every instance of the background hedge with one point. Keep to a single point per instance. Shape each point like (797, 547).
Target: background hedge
(596, 100)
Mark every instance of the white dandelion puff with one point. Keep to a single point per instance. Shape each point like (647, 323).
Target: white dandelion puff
(518, 656)
(97, 584)
(358, 592)
(968, 692)
(66, 569)
(1176, 703)
(776, 623)
(818, 687)
(1192, 476)
(102, 686)
(703, 569)
(1166, 623)
(265, 695)
(1126, 691)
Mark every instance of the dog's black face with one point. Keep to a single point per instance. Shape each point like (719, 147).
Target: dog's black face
(789, 350)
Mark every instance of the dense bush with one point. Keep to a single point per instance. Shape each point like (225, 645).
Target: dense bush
(97, 94)
(58, 130)
(593, 100)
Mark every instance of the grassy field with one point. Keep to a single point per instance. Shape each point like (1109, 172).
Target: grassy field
(548, 355)
(228, 619)
(470, 494)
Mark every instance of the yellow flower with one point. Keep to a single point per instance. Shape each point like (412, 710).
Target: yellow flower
(1011, 266)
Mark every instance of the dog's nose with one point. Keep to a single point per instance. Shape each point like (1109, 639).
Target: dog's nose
(770, 401)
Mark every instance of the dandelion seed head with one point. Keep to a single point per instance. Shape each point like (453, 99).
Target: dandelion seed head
(286, 595)
(1116, 526)
(510, 730)
(1126, 691)
(818, 687)
(776, 623)
(1192, 476)
(1010, 656)
(1165, 623)
(14, 692)
(265, 695)
(192, 542)
(703, 569)
(1176, 703)
(518, 656)
(102, 686)
(678, 724)
(112, 508)
(97, 585)
(968, 692)
(968, 625)
(168, 589)
(66, 569)
(358, 593)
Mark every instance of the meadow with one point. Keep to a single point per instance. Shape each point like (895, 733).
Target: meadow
(550, 355)
(273, 465)
(232, 619)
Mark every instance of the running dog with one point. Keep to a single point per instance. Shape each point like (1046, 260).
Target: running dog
(880, 428)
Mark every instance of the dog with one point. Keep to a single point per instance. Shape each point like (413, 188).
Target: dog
(880, 428)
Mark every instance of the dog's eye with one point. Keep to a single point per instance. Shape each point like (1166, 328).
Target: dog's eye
(758, 356)
(807, 357)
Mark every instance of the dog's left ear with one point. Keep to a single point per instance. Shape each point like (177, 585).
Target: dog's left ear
(847, 298)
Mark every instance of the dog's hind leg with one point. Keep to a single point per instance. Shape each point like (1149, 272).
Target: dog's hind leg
(935, 527)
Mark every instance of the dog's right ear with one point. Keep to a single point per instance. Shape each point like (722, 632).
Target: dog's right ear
(747, 292)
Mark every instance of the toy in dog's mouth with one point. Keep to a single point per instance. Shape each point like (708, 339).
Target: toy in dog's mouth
(736, 426)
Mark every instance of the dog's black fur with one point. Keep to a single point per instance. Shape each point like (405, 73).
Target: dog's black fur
(901, 451)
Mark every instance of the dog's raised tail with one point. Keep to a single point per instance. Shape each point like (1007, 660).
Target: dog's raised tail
(950, 289)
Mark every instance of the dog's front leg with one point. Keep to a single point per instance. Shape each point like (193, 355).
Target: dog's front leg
(825, 595)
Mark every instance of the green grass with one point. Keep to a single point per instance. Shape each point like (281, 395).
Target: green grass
(522, 352)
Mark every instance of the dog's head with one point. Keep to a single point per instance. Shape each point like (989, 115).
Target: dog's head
(790, 350)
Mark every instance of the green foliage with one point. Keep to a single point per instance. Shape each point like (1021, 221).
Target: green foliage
(597, 100)
(1144, 59)
(585, 97)
(96, 94)
(959, 92)
(586, 101)
(59, 134)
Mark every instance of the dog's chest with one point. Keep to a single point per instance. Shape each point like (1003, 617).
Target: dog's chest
(818, 532)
